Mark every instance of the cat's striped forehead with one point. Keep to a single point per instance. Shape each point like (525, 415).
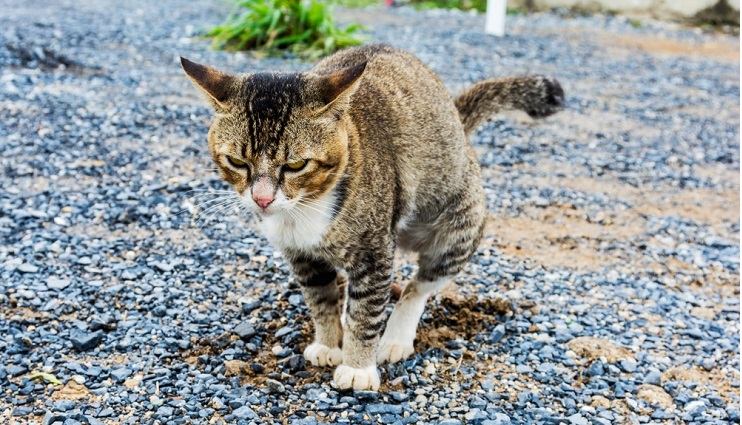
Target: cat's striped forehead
(270, 100)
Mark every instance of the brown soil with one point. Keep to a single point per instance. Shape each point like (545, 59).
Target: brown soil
(717, 50)
(556, 236)
(596, 348)
(72, 391)
(655, 395)
(563, 236)
(456, 317)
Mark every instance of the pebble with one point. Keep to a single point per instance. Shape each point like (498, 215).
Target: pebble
(244, 412)
(27, 268)
(53, 282)
(84, 341)
(244, 330)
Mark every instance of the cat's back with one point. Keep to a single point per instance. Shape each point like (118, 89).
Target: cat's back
(397, 90)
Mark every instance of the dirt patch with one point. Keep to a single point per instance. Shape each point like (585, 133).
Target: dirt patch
(597, 348)
(558, 236)
(717, 209)
(655, 396)
(703, 313)
(564, 236)
(235, 367)
(658, 46)
(457, 317)
(694, 374)
(713, 380)
(134, 381)
(24, 315)
(600, 401)
(72, 391)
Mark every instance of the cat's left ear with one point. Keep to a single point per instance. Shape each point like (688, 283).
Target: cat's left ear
(335, 90)
(216, 85)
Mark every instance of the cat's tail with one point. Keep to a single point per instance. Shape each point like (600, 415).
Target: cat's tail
(536, 95)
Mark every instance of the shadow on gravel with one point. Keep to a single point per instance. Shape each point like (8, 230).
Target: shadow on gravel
(29, 55)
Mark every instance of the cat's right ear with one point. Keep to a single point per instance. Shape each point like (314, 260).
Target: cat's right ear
(215, 84)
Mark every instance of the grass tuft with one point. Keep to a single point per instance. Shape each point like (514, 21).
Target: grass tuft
(303, 27)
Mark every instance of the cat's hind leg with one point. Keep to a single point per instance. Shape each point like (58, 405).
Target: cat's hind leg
(450, 241)
(397, 342)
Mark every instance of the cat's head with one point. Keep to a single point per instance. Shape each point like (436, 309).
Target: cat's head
(280, 140)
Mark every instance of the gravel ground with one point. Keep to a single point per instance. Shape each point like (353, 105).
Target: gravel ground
(606, 289)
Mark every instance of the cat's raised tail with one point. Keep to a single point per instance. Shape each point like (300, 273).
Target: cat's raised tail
(536, 95)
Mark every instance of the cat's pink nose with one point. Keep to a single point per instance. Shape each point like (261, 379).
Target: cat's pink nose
(262, 192)
(263, 201)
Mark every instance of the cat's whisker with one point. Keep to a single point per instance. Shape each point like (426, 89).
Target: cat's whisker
(207, 191)
(214, 207)
(296, 213)
(207, 203)
(214, 213)
(198, 204)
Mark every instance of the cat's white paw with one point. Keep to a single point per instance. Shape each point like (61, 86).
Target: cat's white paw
(393, 351)
(321, 355)
(366, 378)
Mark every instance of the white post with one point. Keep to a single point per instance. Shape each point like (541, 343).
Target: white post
(496, 11)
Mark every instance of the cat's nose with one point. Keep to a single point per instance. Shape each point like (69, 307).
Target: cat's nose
(262, 192)
(263, 202)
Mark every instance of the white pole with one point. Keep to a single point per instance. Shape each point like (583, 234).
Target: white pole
(496, 11)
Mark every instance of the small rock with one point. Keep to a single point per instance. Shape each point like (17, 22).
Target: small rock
(497, 334)
(595, 369)
(244, 330)
(501, 419)
(653, 377)
(383, 408)
(120, 374)
(27, 268)
(244, 412)
(274, 386)
(54, 282)
(83, 341)
(284, 331)
(695, 407)
(165, 411)
(628, 365)
(163, 266)
(578, 419)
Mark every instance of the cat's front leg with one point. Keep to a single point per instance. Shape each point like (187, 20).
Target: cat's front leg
(320, 285)
(368, 293)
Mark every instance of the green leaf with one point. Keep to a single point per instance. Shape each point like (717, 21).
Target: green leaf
(43, 376)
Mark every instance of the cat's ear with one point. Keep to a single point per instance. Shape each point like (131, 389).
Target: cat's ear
(215, 84)
(336, 89)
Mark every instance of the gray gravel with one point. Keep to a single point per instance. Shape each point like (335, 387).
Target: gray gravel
(606, 290)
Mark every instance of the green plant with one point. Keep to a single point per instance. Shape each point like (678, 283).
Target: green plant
(357, 3)
(304, 27)
(480, 5)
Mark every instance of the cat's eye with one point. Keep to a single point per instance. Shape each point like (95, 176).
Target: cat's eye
(236, 163)
(296, 165)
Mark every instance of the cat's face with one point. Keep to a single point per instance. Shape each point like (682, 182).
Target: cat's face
(281, 140)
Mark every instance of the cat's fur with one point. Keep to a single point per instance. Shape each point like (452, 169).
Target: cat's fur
(389, 166)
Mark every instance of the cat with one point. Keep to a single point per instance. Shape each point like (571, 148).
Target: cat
(364, 153)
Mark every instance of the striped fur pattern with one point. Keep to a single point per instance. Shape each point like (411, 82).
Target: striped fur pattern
(537, 95)
(388, 166)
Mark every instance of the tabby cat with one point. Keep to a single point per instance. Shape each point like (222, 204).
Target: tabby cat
(364, 153)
